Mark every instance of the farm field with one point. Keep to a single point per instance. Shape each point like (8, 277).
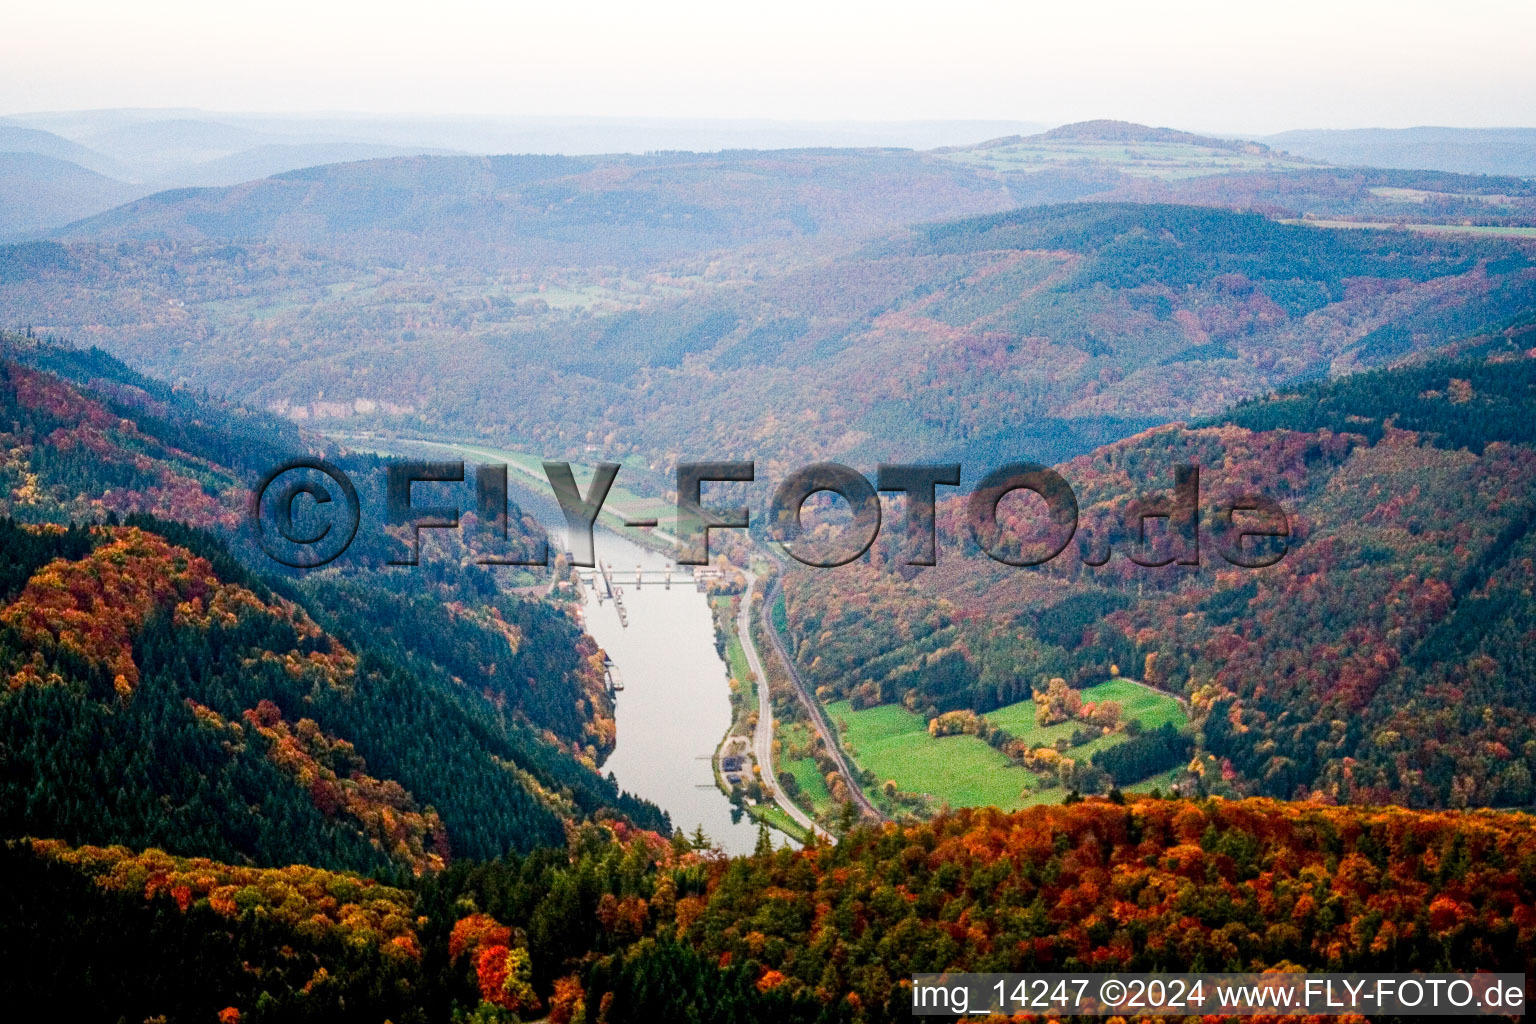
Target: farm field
(1491, 230)
(1167, 160)
(1135, 700)
(964, 771)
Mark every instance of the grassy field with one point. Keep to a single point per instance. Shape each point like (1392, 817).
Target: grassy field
(1168, 160)
(735, 657)
(1153, 709)
(814, 795)
(776, 818)
(1163, 782)
(962, 771)
(745, 697)
(965, 771)
(1136, 701)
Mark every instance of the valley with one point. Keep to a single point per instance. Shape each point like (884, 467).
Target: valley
(450, 793)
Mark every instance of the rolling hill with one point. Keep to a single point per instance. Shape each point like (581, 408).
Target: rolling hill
(1060, 327)
(1108, 161)
(39, 193)
(1384, 658)
(274, 158)
(844, 190)
(15, 138)
(623, 211)
(159, 693)
(1500, 151)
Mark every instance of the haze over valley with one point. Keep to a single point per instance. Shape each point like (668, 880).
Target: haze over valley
(313, 707)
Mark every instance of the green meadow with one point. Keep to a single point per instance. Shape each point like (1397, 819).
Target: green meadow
(814, 794)
(964, 771)
(1135, 700)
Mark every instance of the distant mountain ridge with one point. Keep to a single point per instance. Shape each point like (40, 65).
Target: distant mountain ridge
(1107, 130)
(1294, 175)
(47, 180)
(40, 192)
(1509, 151)
(15, 138)
(563, 210)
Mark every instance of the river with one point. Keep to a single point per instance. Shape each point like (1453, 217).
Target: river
(675, 707)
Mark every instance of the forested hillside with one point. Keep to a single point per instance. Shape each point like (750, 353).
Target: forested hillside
(1051, 329)
(160, 693)
(153, 702)
(1385, 657)
(623, 927)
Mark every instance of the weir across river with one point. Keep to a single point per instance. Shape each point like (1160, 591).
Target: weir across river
(608, 583)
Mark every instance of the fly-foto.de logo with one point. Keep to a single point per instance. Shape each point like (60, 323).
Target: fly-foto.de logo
(306, 512)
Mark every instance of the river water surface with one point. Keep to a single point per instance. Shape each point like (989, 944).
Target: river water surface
(676, 706)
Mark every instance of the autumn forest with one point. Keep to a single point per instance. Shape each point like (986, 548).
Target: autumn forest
(234, 790)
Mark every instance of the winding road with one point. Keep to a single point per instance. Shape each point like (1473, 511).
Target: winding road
(764, 734)
(762, 737)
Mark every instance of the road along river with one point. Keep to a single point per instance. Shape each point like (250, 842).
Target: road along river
(675, 707)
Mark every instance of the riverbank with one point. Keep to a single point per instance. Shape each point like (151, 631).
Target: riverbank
(665, 653)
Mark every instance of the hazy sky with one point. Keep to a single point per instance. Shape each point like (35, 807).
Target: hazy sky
(1234, 65)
